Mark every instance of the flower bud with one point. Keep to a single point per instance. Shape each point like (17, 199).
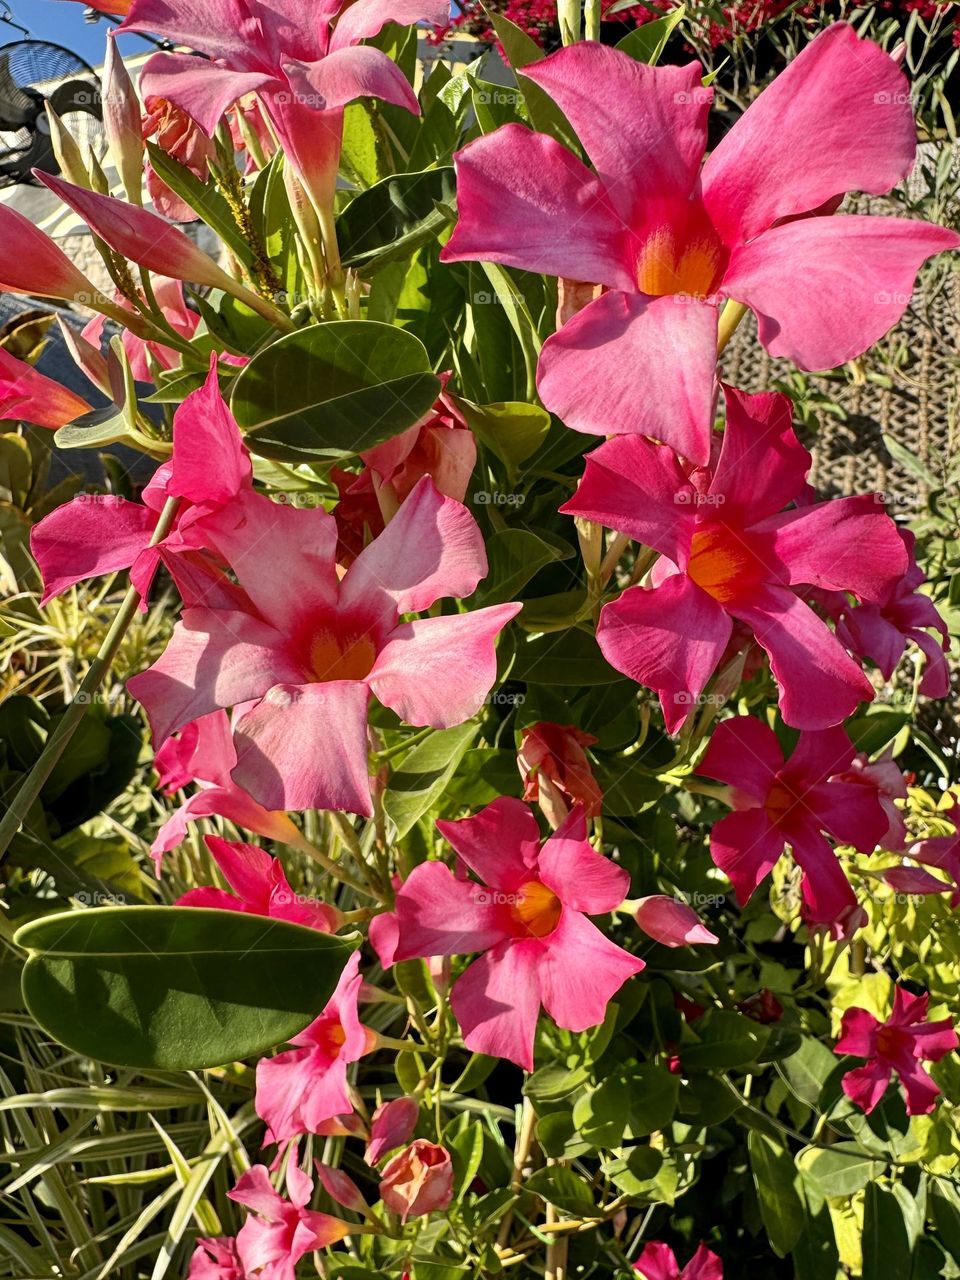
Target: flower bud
(121, 122)
(669, 922)
(31, 263)
(418, 1180)
(393, 1125)
(341, 1188)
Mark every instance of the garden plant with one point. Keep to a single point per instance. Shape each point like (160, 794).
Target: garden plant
(471, 806)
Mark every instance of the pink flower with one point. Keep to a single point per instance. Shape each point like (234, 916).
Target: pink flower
(280, 1232)
(659, 1262)
(95, 534)
(779, 802)
(556, 772)
(309, 649)
(942, 853)
(29, 396)
(884, 779)
(418, 1180)
(732, 554)
(529, 919)
(204, 753)
(305, 66)
(880, 630)
(260, 888)
(216, 1259)
(297, 1091)
(392, 1125)
(669, 922)
(184, 141)
(341, 1187)
(898, 1045)
(668, 236)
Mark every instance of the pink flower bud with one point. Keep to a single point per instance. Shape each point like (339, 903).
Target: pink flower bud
(341, 1187)
(31, 263)
(121, 122)
(140, 236)
(29, 396)
(418, 1180)
(670, 922)
(393, 1125)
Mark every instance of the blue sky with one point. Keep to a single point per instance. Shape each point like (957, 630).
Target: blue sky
(61, 22)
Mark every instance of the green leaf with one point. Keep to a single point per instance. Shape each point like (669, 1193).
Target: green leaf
(514, 557)
(646, 43)
(560, 1186)
(636, 1100)
(563, 658)
(514, 431)
(840, 1170)
(522, 50)
(727, 1039)
(393, 218)
(806, 1070)
(887, 1248)
(175, 988)
(775, 1177)
(466, 1150)
(333, 389)
(424, 773)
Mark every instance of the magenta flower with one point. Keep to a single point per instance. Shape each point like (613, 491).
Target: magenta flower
(97, 534)
(942, 853)
(528, 917)
(305, 63)
(884, 780)
(302, 1088)
(881, 630)
(898, 1045)
(310, 649)
(216, 1259)
(733, 555)
(204, 753)
(29, 396)
(779, 802)
(280, 1232)
(667, 238)
(260, 888)
(659, 1262)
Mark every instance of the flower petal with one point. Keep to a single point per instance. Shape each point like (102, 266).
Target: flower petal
(669, 638)
(305, 747)
(744, 753)
(820, 684)
(198, 87)
(92, 535)
(838, 118)
(581, 971)
(746, 848)
(631, 365)
(582, 878)
(500, 843)
(639, 488)
(497, 1002)
(644, 128)
(439, 915)
(438, 671)
(526, 201)
(826, 289)
(762, 465)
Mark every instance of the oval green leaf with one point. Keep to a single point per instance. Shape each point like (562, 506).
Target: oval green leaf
(333, 389)
(175, 988)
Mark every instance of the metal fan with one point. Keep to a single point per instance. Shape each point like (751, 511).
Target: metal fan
(32, 74)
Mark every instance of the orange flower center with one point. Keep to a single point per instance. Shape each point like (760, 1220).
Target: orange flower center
(722, 565)
(334, 657)
(781, 798)
(537, 909)
(681, 253)
(890, 1041)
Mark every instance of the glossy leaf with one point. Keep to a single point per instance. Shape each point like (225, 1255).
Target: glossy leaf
(175, 988)
(333, 389)
(392, 219)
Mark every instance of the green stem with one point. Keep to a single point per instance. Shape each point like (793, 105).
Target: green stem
(58, 741)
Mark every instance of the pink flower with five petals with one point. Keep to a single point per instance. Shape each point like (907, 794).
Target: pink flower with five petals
(659, 1262)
